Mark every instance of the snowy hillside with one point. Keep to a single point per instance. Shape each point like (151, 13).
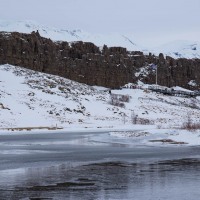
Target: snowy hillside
(113, 39)
(175, 49)
(180, 49)
(29, 98)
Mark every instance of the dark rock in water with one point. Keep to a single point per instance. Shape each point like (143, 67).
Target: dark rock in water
(84, 62)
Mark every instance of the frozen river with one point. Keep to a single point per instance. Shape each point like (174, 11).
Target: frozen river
(85, 166)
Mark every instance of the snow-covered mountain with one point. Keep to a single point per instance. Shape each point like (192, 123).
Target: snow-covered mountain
(179, 49)
(113, 39)
(175, 49)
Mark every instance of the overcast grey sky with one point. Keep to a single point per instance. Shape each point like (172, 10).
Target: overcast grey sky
(149, 21)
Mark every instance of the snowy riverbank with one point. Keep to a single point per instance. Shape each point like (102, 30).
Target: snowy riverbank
(35, 102)
(133, 135)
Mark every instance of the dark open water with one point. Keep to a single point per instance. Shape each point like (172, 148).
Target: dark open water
(37, 167)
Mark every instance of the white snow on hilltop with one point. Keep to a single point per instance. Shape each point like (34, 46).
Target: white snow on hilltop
(33, 99)
(112, 39)
(180, 49)
(176, 49)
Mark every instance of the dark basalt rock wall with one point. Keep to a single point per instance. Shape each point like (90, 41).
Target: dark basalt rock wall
(84, 62)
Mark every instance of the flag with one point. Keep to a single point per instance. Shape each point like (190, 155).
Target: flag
(153, 66)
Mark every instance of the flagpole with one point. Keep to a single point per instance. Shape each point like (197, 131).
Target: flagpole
(155, 67)
(156, 75)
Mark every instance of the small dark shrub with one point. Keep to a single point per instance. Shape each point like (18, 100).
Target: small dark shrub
(125, 98)
(118, 100)
(191, 126)
(143, 121)
(188, 125)
(134, 118)
(117, 103)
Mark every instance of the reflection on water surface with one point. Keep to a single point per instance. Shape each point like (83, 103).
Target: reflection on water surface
(171, 179)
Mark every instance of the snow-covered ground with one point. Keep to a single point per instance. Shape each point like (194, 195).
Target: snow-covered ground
(30, 99)
(175, 49)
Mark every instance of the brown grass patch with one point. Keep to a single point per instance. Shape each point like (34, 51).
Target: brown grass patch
(31, 128)
(168, 141)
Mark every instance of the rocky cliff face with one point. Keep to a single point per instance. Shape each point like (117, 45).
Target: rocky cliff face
(84, 62)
